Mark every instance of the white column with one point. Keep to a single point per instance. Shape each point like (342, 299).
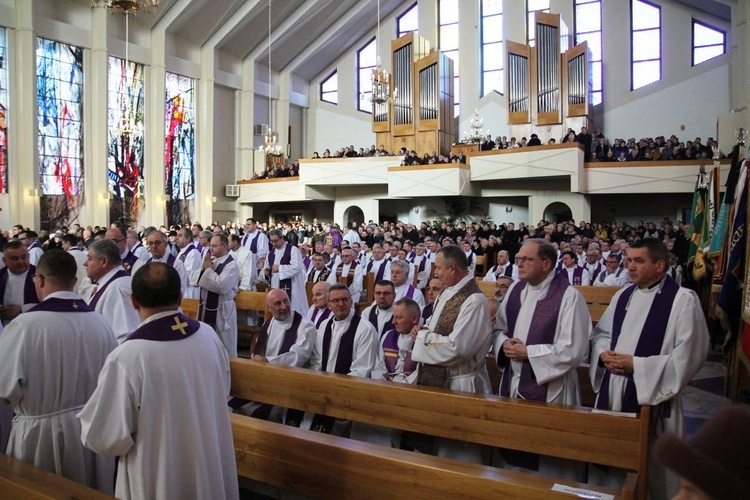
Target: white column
(469, 64)
(428, 19)
(246, 119)
(154, 213)
(204, 129)
(282, 110)
(23, 171)
(96, 207)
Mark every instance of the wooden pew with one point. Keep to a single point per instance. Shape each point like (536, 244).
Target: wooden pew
(250, 302)
(190, 307)
(597, 299)
(561, 431)
(19, 480)
(480, 267)
(326, 466)
(487, 287)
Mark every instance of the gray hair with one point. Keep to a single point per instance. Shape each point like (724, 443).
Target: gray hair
(404, 266)
(105, 248)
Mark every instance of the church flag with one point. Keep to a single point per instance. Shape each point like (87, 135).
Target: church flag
(745, 320)
(729, 306)
(699, 212)
(709, 216)
(720, 228)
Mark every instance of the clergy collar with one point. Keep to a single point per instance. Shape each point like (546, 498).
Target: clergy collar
(221, 259)
(378, 310)
(108, 276)
(156, 316)
(345, 320)
(289, 318)
(545, 282)
(460, 284)
(655, 285)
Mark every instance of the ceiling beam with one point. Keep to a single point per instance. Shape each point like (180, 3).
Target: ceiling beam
(231, 23)
(288, 23)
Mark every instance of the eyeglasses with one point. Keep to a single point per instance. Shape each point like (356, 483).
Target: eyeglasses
(525, 259)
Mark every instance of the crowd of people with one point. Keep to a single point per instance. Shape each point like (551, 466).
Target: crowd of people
(429, 324)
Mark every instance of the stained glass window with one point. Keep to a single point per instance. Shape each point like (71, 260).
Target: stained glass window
(3, 111)
(179, 149)
(125, 136)
(60, 121)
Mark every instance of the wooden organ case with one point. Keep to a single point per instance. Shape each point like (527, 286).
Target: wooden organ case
(420, 116)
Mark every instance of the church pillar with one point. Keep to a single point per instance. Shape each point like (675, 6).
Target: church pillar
(246, 120)
(154, 213)
(23, 181)
(427, 23)
(204, 165)
(96, 206)
(282, 111)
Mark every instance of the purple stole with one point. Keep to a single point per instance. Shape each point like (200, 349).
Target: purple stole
(541, 331)
(673, 273)
(422, 264)
(306, 261)
(507, 272)
(122, 273)
(469, 258)
(184, 255)
(649, 342)
(323, 316)
(176, 326)
(323, 423)
(596, 272)
(603, 275)
(390, 351)
(411, 256)
(349, 274)
(290, 336)
(56, 304)
(373, 318)
(253, 243)
(427, 312)
(285, 284)
(29, 290)
(170, 260)
(129, 261)
(410, 292)
(577, 275)
(207, 310)
(381, 269)
(323, 276)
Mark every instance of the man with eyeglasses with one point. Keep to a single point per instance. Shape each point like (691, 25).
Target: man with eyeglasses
(119, 236)
(29, 239)
(345, 344)
(110, 295)
(17, 291)
(284, 269)
(62, 336)
(157, 246)
(502, 284)
(544, 327)
(380, 313)
(350, 270)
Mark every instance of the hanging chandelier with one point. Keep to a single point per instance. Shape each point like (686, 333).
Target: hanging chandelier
(127, 6)
(272, 146)
(380, 78)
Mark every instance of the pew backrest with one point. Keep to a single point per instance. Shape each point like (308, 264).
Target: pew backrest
(20, 480)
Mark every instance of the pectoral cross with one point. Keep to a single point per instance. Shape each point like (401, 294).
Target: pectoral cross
(179, 326)
(286, 289)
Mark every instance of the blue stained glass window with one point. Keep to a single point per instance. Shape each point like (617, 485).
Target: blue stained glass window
(179, 149)
(3, 111)
(60, 125)
(126, 95)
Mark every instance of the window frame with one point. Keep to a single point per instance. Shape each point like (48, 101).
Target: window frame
(359, 93)
(527, 20)
(482, 71)
(413, 6)
(456, 75)
(632, 37)
(601, 42)
(693, 46)
(321, 93)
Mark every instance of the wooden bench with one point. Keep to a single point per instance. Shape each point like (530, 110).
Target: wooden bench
(19, 480)
(597, 299)
(560, 431)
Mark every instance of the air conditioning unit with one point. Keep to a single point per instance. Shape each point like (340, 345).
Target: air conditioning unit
(261, 129)
(232, 190)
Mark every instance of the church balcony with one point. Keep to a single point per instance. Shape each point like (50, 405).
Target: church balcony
(530, 162)
(419, 181)
(347, 171)
(280, 190)
(647, 176)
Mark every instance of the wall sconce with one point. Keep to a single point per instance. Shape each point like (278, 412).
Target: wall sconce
(35, 192)
(508, 210)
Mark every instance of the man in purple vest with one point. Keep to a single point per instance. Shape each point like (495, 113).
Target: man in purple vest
(157, 246)
(571, 271)
(319, 311)
(345, 344)
(380, 312)
(284, 269)
(649, 343)
(110, 295)
(285, 339)
(17, 291)
(544, 327)
(255, 240)
(378, 265)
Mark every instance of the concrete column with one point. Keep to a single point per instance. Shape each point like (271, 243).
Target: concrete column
(96, 208)
(282, 110)
(204, 181)
(155, 211)
(469, 64)
(23, 171)
(428, 19)
(246, 120)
